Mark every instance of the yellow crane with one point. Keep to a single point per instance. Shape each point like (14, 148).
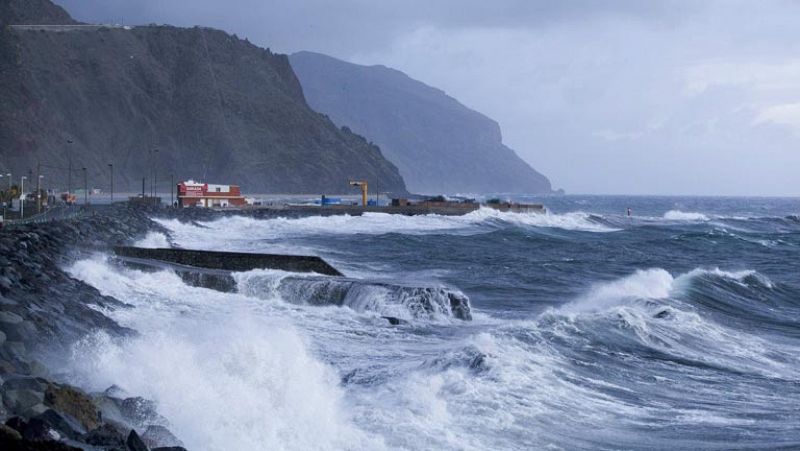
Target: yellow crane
(363, 185)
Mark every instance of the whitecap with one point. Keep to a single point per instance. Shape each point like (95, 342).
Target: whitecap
(677, 215)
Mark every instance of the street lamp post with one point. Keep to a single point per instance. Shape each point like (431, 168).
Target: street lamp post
(111, 170)
(155, 174)
(39, 193)
(85, 189)
(8, 195)
(3, 201)
(22, 197)
(69, 171)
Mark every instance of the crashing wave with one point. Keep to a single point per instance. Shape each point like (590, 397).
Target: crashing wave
(655, 284)
(154, 240)
(244, 228)
(677, 215)
(388, 300)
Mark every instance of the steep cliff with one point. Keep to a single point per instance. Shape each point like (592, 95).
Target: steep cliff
(439, 145)
(215, 107)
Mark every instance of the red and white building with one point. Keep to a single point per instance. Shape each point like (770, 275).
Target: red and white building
(196, 194)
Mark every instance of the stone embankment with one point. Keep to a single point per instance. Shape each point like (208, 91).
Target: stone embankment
(43, 309)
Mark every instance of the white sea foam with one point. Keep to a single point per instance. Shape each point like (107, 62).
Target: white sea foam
(685, 332)
(738, 276)
(224, 379)
(654, 283)
(677, 215)
(245, 229)
(153, 240)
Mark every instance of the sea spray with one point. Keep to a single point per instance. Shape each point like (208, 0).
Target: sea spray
(224, 380)
(677, 215)
(484, 220)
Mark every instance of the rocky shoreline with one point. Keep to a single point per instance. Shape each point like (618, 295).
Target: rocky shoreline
(43, 311)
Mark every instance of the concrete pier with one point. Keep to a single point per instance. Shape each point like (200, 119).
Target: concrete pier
(227, 261)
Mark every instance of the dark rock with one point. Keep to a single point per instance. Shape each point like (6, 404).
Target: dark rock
(17, 423)
(7, 302)
(22, 331)
(34, 410)
(393, 320)
(107, 435)
(140, 411)
(109, 408)
(18, 400)
(8, 433)
(159, 436)
(135, 443)
(39, 430)
(9, 318)
(115, 391)
(73, 402)
(37, 369)
(7, 367)
(459, 305)
(63, 423)
(15, 349)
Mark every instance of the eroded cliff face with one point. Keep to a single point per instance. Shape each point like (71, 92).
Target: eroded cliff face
(439, 145)
(216, 107)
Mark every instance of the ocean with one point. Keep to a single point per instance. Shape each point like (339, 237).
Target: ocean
(677, 327)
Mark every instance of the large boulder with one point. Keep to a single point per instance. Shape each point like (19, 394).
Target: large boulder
(73, 402)
(159, 436)
(106, 435)
(135, 443)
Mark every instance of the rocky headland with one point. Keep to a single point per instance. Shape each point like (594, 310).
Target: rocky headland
(438, 144)
(157, 101)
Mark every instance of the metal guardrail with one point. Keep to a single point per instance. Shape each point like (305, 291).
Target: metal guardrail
(60, 212)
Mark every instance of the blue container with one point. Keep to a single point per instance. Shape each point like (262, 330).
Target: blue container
(331, 200)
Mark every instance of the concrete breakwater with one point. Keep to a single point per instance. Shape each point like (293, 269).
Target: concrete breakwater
(227, 261)
(214, 270)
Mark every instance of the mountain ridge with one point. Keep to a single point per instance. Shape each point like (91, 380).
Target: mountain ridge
(187, 102)
(437, 143)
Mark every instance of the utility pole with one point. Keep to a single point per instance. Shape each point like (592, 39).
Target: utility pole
(39, 193)
(22, 197)
(8, 195)
(111, 170)
(155, 173)
(69, 171)
(38, 187)
(171, 190)
(143, 179)
(85, 189)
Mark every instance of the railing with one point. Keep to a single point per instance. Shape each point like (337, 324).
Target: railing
(60, 212)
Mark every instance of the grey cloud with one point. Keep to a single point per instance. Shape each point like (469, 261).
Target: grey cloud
(627, 96)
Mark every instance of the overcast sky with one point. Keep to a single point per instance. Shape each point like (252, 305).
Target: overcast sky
(638, 97)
